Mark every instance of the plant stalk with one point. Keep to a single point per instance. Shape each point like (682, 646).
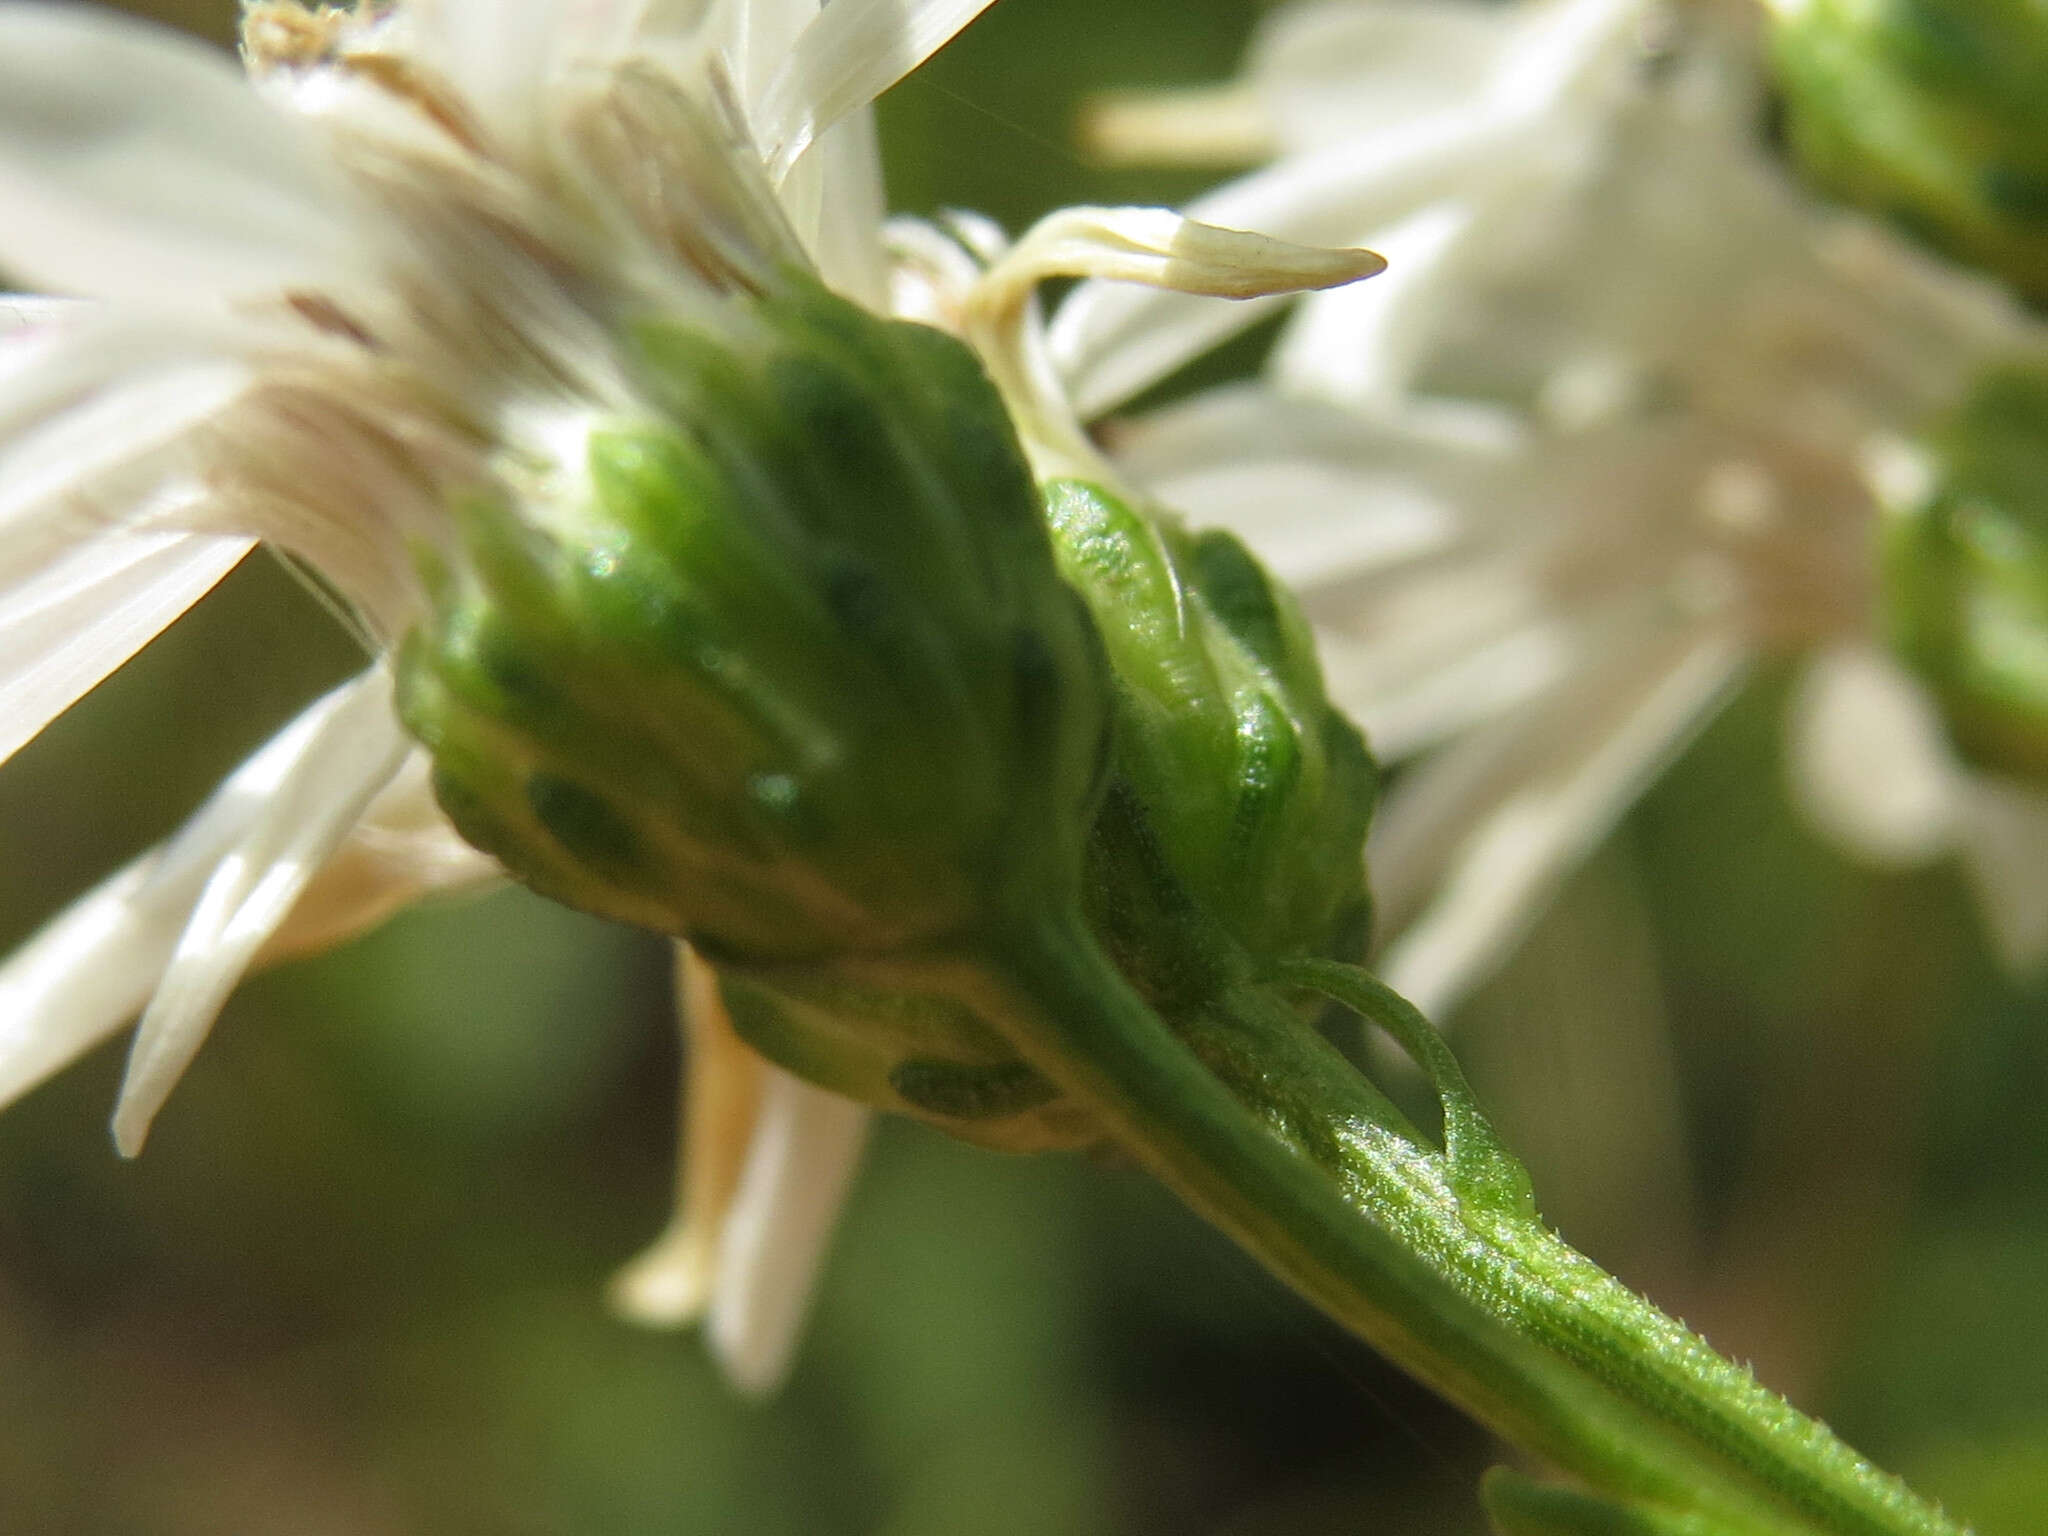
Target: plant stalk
(1435, 1257)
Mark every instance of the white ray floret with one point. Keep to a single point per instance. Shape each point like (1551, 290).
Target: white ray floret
(1623, 414)
(1429, 100)
(671, 1283)
(97, 965)
(800, 1162)
(64, 628)
(307, 304)
(304, 792)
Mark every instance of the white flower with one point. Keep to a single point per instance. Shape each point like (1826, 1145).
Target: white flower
(309, 306)
(1619, 421)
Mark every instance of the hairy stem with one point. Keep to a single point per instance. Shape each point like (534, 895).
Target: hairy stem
(1436, 1257)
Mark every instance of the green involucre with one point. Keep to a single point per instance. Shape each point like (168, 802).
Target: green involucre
(1230, 839)
(799, 681)
(1239, 798)
(1965, 570)
(1929, 112)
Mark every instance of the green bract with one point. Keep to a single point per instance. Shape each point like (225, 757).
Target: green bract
(1234, 826)
(797, 680)
(1966, 570)
(800, 680)
(1929, 111)
(1231, 837)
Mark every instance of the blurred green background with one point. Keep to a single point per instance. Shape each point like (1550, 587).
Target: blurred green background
(354, 1285)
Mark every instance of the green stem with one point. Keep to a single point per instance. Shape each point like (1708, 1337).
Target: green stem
(1435, 1259)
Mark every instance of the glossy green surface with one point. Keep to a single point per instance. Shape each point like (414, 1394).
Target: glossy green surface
(1239, 797)
(1928, 112)
(800, 680)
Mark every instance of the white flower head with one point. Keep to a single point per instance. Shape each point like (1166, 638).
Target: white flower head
(327, 304)
(316, 304)
(1617, 422)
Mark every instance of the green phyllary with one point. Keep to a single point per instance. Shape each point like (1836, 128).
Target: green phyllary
(1965, 568)
(1928, 112)
(797, 678)
(1239, 797)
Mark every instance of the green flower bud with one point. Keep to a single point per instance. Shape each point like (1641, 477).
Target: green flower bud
(1929, 111)
(1965, 570)
(1230, 838)
(797, 678)
(1234, 824)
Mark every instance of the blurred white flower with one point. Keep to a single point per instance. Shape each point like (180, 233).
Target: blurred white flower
(1619, 421)
(308, 306)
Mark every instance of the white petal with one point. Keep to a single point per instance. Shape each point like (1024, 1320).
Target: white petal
(302, 794)
(25, 311)
(137, 163)
(1110, 344)
(806, 1148)
(73, 623)
(1312, 521)
(671, 1283)
(1122, 245)
(1324, 497)
(505, 56)
(849, 55)
(2004, 837)
(92, 968)
(1334, 72)
(497, 54)
(1219, 428)
(1411, 691)
(94, 431)
(1159, 248)
(1869, 760)
(1419, 651)
(659, 22)
(88, 972)
(847, 240)
(756, 38)
(1491, 828)
(1227, 125)
(73, 352)
(104, 465)
(1360, 346)
(402, 850)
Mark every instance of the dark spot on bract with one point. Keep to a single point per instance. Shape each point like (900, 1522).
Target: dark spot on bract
(1035, 674)
(857, 596)
(2018, 194)
(582, 821)
(971, 1090)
